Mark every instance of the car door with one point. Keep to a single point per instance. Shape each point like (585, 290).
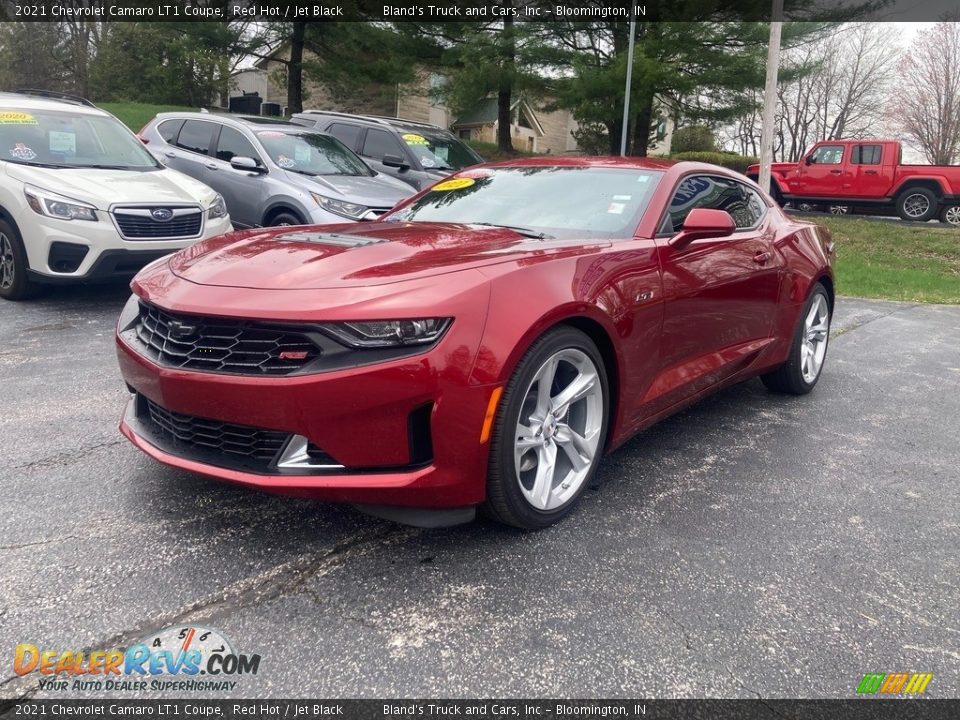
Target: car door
(720, 293)
(866, 174)
(822, 173)
(243, 191)
(191, 149)
(377, 144)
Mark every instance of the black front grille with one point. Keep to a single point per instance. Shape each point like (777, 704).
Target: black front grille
(212, 436)
(221, 344)
(138, 224)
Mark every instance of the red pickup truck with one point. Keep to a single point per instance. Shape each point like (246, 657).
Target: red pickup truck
(866, 175)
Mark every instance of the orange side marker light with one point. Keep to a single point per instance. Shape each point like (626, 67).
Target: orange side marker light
(491, 414)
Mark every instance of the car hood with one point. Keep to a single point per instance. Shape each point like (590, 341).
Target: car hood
(353, 255)
(378, 192)
(103, 188)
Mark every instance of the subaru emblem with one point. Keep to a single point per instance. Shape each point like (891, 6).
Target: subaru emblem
(162, 214)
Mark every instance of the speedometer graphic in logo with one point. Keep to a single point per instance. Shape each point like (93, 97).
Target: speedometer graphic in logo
(184, 639)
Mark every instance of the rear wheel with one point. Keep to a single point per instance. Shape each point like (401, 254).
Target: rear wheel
(839, 209)
(549, 431)
(917, 203)
(799, 374)
(951, 215)
(14, 281)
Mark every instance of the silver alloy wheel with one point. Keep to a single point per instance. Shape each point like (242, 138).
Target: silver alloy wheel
(952, 215)
(916, 205)
(6, 262)
(839, 209)
(813, 345)
(558, 431)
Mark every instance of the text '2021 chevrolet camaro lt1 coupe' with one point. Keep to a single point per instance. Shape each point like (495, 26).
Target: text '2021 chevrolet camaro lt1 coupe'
(483, 344)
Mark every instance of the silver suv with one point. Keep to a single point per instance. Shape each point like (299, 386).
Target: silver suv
(271, 172)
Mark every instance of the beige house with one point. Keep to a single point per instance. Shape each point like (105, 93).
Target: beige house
(533, 129)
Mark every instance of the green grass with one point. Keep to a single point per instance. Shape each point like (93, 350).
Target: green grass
(491, 153)
(896, 262)
(136, 115)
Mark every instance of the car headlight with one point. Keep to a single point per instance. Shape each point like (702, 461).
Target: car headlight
(217, 209)
(354, 211)
(389, 333)
(57, 206)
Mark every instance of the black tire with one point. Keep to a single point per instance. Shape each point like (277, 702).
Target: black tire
(505, 500)
(950, 215)
(913, 194)
(15, 283)
(285, 218)
(789, 377)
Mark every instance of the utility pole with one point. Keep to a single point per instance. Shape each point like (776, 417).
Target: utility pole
(770, 95)
(626, 93)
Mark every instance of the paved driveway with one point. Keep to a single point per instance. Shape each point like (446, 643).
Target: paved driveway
(754, 545)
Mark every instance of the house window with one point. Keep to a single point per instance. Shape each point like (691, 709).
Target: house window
(464, 134)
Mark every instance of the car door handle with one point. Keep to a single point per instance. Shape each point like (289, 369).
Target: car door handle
(761, 258)
(210, 166)
(170, 154)
(869, 172)
(836, 172)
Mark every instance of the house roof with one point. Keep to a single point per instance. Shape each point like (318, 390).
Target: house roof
(486, 113)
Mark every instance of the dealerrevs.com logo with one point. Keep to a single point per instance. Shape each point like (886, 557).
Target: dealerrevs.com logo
(176, 658)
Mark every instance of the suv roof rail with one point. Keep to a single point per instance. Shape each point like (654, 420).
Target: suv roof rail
(380, 119)
(55, 95)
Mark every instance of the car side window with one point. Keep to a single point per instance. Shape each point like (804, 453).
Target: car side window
(233, 144)
(827, 155)
(865, 155)
(743, 203)
(379, 143)
(347, 134)
(168, 130)
(196, 136)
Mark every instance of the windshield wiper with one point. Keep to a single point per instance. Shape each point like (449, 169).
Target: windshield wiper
(110, 167)
(526, 232)
(36, 164)
(302, 172)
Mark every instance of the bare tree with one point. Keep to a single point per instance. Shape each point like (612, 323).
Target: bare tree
(926, 105)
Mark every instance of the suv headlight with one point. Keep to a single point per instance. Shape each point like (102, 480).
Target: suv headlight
(354, 211)
(389, 333)
(57, 206)
(217, 209)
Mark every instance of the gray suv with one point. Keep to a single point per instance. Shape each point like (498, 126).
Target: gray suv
(417, 153)
(272, 172)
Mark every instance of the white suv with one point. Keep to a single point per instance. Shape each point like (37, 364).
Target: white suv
(81, 198)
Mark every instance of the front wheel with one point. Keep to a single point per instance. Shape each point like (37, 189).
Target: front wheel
(285, 218)
(799, 374)
(951, 215)
(918, 204)
(15, 284)
(549, 432)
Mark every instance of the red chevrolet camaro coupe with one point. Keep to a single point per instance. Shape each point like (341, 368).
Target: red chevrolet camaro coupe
(483, 344)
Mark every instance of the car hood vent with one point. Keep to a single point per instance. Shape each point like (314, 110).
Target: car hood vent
(338, 239)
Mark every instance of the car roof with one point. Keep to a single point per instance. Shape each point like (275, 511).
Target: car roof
(249, 121)
(383, 120)
(30, 101)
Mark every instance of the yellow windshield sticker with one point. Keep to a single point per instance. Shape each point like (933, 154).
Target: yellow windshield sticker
(9, 117)
(455, 184)
(412, 139)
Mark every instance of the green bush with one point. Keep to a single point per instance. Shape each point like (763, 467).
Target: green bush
(724, 159)
(693, 138)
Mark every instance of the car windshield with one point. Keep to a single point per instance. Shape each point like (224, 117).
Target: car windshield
(311, 153)
(564, 202)
(437, 152)
(59, 139)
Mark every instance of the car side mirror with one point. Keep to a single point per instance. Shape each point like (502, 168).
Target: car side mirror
(702, 224)
(238, 162)
(809, 160)
(395, 161)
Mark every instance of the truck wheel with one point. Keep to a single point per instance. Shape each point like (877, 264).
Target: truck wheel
(917, 204)
(951, 215)
(839, 209)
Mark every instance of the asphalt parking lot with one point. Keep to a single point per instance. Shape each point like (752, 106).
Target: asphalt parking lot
(755, 545)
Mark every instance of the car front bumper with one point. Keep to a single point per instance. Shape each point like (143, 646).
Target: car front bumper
(360, 417)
